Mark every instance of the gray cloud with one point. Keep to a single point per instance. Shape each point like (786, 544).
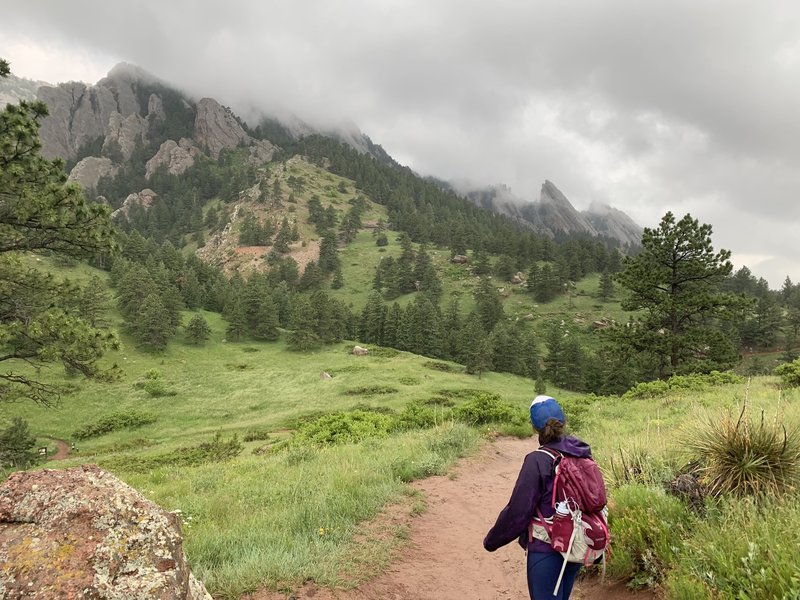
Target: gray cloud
(687, 106)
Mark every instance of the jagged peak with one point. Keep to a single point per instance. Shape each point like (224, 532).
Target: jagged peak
(552, 195)
(130, 72)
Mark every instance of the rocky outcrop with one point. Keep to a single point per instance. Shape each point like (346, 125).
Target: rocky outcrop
(83, 533)
(144, 199)
(89, 171)
(613, 223)
(81, 114)
(216, 128)
(124, 133)
(556, 213)
(176, 156)
(261, 152)
(78, 115)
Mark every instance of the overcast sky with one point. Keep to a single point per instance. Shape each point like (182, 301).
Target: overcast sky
(681, 105)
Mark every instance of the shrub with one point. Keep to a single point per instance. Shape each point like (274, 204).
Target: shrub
(370, 390)
(342, 428)
(745, 458)
(487, 408)
(441, 366)
(648, 528)
(217, 450)
(418, 415)
(695, 381)
(153, 383)
(254, 435)
(114, 422)
(637, 465)
(789, 373)
(743, 550)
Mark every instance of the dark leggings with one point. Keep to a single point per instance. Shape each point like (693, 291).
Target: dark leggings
(543, 570)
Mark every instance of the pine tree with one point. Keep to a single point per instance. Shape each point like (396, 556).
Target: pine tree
(238, 328)
(197, 330)
(152, 326)
(488, 305)
(17, 445)
(40, 211)
(606, 286)
(475, 349)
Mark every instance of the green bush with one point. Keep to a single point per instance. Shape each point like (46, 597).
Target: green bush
(789, 373)
(217, 450)
(255, 435)
(419, 415)
(744, 550)
(342, 428)
(153, 383)
(647, 531)
(114, 422)
(636, 464)
(736, 455)
(695, 382)
(370, 390)
(441, 366)
(487, 408)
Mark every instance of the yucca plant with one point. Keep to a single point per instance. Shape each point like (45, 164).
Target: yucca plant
(745, 457)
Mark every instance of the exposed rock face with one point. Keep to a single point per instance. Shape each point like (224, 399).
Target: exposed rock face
(78, 114)
(125, 132)
(82, 533)
(556, 213)
(144, 199)
(216, 128)
(614, 223)
(90, 169)
(81, 113)
(177, 156)
(261, 152)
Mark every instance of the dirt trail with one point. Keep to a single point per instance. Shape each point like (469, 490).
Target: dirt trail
(62, 449)
(446, 559)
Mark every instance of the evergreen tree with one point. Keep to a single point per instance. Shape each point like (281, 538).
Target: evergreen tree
(17, 445)
(675, 283)
(153, 326)
(391, 326)
(475, 348)
(328, 253)
(94, 302)
(606, 286)
(312, 277)
(488, 305)
(40, 211)
(266, 320)
(238, 327)
(338, 279)
(197, 330)
(372, 320)
(508, 353)
(302, 322)
(451, 328)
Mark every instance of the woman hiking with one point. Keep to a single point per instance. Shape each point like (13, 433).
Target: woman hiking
(532, 497)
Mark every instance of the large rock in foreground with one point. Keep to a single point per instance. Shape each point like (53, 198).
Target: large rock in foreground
(82, 533)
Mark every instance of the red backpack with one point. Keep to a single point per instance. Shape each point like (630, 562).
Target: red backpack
(579, 528)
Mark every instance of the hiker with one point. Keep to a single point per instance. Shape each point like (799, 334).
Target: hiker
(532, 497)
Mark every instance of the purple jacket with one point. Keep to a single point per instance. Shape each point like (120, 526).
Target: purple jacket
(534, 489)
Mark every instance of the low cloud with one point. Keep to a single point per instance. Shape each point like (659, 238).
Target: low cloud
(681, 106)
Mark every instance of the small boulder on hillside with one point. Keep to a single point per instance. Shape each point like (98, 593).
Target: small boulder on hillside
(83, 533)
(359, 351)
(459, 259)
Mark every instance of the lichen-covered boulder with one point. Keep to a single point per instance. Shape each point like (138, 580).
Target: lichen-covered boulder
(83, 533)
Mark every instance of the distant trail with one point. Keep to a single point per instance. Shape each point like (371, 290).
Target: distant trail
(62, 449)
(446, 559)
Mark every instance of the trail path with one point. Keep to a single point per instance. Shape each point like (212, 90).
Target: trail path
(446, 559)
(62, 449)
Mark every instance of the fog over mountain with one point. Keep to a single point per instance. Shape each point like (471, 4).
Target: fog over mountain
(683, 106)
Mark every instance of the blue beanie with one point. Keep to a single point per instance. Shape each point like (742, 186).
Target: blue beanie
(544, 408)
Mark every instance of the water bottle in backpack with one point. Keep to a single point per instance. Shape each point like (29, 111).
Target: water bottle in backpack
(561, 530)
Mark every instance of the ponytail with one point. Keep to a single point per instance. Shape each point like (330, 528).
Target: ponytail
(552, 431)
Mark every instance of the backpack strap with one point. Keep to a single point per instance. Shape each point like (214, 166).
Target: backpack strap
(556, 456)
